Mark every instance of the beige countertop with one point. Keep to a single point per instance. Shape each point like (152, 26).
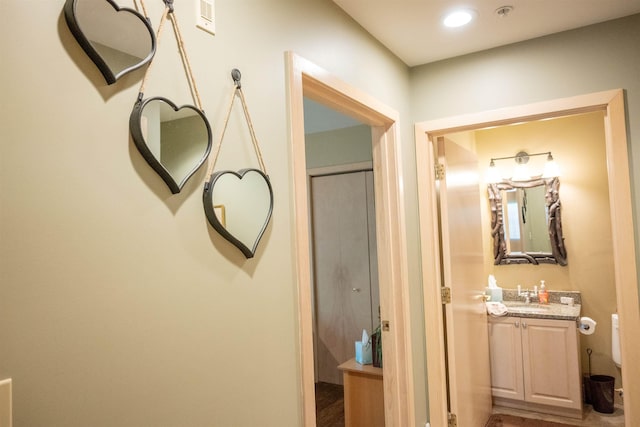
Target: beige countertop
(352, 366)
(543, 311)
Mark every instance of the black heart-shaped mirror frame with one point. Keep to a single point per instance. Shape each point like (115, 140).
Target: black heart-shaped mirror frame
(207, 199)
(135, 127)
(74, 27)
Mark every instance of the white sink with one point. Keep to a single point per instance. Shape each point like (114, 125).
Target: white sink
(550, 311)
(533, 308)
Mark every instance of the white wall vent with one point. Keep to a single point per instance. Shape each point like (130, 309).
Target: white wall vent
(205, 15)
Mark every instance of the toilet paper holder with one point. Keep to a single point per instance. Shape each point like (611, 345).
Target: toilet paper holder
(586, 325)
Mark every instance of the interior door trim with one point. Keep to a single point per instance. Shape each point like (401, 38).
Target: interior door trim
(307, 79)
(613, 105)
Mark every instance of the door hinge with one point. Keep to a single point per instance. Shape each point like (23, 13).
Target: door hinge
(385, 325)
(445, 294)
(439, 169)
(453, 420)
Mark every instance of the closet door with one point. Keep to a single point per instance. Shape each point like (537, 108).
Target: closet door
(342, 268)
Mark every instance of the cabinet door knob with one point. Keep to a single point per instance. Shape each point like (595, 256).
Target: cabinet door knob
(524, 325)
(516, 324)
(355, 290)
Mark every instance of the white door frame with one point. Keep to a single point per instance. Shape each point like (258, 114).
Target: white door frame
(612, 104)
(307, 79)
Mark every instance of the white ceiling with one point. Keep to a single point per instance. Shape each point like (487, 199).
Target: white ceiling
(412, 29)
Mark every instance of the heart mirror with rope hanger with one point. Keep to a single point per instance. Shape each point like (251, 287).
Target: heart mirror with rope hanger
(175, 141)
(238, 205)
(118, 40)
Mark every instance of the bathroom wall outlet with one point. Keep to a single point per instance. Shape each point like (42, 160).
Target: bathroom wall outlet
(205, 16)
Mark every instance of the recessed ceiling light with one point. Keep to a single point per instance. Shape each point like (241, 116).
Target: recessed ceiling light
(458, 18)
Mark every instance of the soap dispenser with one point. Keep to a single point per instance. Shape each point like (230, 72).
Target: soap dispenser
(543, 295)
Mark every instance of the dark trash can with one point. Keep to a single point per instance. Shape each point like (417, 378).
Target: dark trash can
(601, 393)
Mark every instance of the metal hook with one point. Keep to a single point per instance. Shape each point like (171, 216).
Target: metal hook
(169, 4)
(235, 75)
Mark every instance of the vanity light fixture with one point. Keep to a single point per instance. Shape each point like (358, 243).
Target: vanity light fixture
(458, 18)
(521, 171)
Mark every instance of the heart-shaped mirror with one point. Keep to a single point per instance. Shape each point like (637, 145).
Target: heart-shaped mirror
(175, 141)
(117, 40)
(238, 205)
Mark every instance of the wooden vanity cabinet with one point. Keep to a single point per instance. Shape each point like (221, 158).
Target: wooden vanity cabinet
(363, 395)
(505, 354)
(536, 362)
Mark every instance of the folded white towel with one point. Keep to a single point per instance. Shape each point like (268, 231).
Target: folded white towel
(496, 308)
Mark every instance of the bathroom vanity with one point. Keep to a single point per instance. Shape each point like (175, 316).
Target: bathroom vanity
(363, 394)
(535, 358)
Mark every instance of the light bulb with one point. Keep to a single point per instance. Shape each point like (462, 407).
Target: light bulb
(492, 176)
(521, 173)
(458, 18)
(551, 169)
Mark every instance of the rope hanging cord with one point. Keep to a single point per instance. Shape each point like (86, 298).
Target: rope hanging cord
(144, 9)
(237, 91)
(185, 61)
(171, 14)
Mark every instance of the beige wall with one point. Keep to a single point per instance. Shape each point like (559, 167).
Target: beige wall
(119, 306)
(578, 146)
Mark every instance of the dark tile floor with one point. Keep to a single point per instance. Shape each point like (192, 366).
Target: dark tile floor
(590, 418)
(329, 405)
(503, 420)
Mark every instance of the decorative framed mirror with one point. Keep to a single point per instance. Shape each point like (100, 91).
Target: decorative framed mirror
(175, 141)
(118, 40)
(526, 223)
(238, 205)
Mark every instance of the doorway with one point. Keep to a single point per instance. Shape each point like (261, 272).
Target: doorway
(344, 259)
(345, 286)
(306, 79)
(345, 275)
(611, 103)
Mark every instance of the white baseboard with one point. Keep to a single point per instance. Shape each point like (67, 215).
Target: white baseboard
(5, 403)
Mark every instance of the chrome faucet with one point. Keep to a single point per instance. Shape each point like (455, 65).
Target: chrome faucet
(527, 294)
